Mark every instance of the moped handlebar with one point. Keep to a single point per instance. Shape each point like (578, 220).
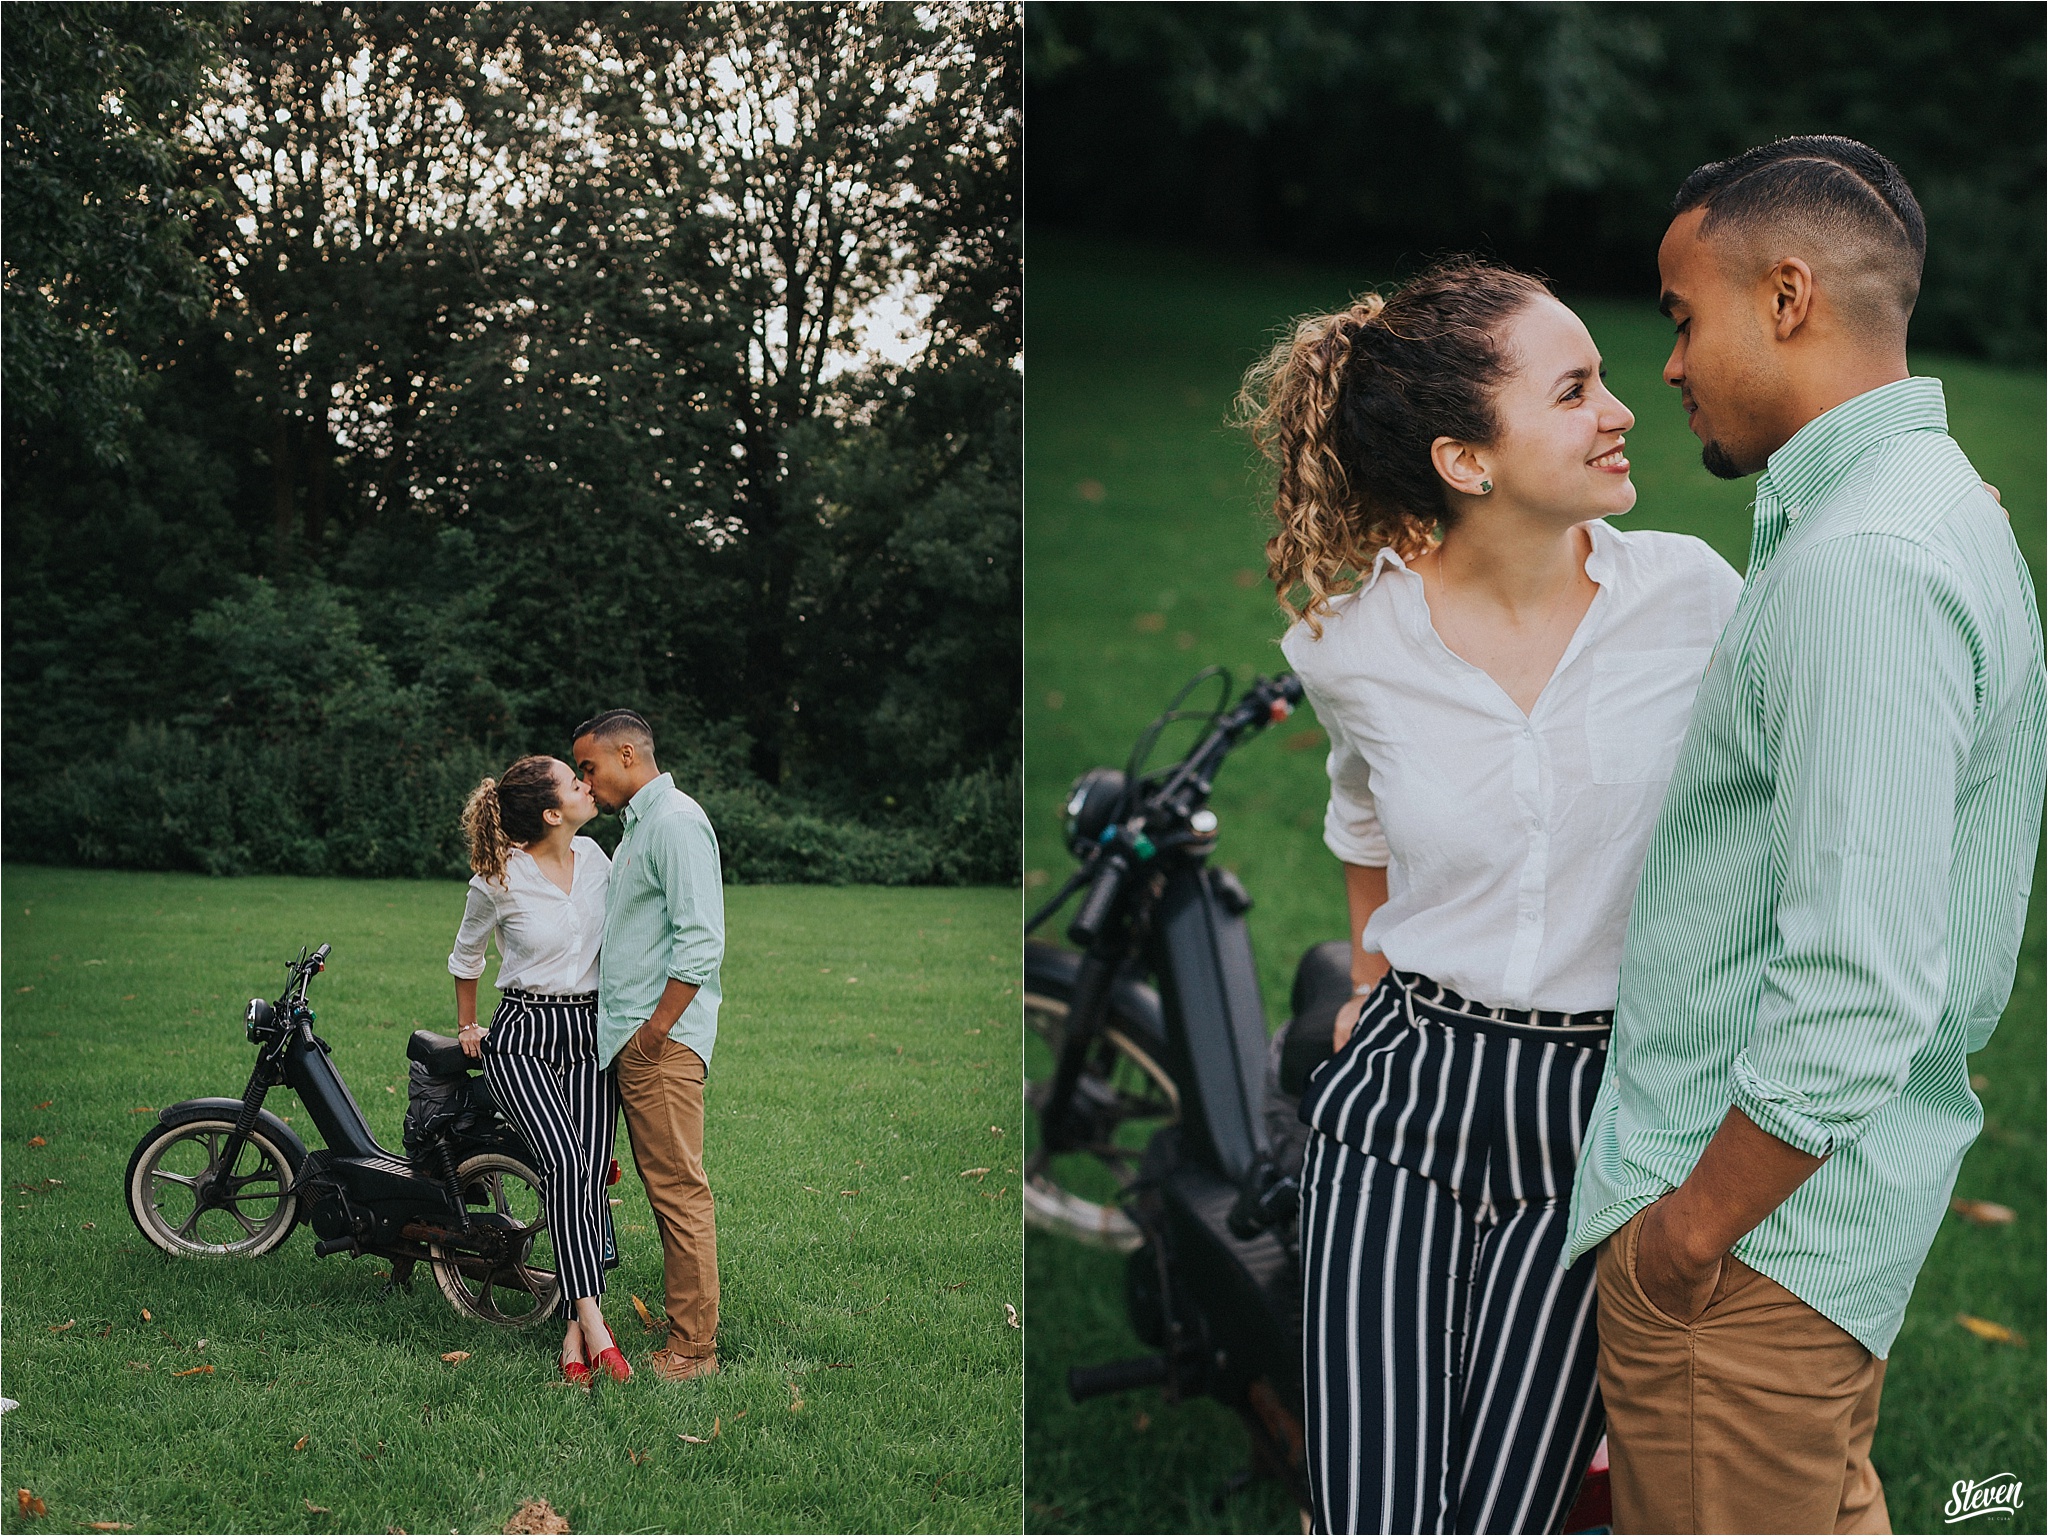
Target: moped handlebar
(1112, 870)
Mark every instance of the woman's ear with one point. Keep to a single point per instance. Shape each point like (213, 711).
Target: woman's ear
(1460, 467)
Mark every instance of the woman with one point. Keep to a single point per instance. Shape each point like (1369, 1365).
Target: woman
(1505, 687)
(541, 890)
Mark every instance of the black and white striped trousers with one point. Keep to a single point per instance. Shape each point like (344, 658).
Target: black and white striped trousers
(1449, 1361)
(540, 1059)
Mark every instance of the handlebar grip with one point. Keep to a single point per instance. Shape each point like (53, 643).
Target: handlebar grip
(1102, 895)
(320, 956)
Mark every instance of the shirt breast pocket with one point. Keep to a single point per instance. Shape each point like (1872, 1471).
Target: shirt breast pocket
(1637, 710)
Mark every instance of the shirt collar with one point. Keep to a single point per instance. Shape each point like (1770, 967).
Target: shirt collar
(1801, 473)
(643, 801)
(1599, 564)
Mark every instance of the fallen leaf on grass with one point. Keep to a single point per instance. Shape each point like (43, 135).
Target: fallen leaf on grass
(107, 1525)
(27, 1502)
(973, 1173)
(37, 1141)
(849, 1192)
(300, 1443)
(995, 1130)
(1142, 1422)
(389, 1089)
(456, 1356)
(693, 1439)
(615, 1200)
(24, 989)
(1983, 1212)
(1997, 1333)
(715, 1421)
(646, 1317)
(796, 1399)
(814, 1191)
(197, 1370)
(137, 1365)
(146, 1317)
(1010, 1316)
(315, 1509)
(46, 1104)
(201, 1345)
(740, 1415)
(536, 1517)
(88, 1226)
(954, 1286)
(998, 1194)
(64, 1327)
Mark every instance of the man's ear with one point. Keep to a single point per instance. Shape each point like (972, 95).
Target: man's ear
(1790, 286)
(625, 751)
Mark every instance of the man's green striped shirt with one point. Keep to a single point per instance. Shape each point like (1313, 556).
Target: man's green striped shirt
(1831, 905)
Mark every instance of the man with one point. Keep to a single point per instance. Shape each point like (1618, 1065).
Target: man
(1831, 906)
(657, 1012)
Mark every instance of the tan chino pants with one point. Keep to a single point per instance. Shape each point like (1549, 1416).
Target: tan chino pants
(1755, 1416)
(664, 1100)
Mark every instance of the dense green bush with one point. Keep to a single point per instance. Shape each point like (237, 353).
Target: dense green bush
(360, 799)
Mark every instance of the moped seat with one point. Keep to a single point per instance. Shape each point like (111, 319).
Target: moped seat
(441, 1055)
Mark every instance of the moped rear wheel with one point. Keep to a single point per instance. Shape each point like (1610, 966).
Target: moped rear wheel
(187, 1203)
(1124, 1096)
(511, 1281)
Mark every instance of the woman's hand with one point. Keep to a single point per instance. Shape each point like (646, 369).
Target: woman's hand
(1347, 1021)
(472, 1038)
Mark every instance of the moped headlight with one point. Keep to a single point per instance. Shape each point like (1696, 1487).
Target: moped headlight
(1092, 804)
(259, 1017)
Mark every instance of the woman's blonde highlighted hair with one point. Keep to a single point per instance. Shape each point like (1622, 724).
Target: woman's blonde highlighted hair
(507, 810)
(1347, 407)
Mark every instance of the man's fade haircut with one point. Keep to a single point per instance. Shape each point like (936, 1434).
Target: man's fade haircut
(615, 723)
(1857, 221)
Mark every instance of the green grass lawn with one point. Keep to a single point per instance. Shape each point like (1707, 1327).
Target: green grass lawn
(1143, 548)
(867, 1055)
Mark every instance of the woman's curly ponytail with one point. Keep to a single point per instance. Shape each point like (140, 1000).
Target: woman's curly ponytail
(507, 810)
(1346, 409)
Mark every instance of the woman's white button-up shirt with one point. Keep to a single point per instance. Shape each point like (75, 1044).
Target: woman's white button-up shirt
(548, 938)
(1512, 843)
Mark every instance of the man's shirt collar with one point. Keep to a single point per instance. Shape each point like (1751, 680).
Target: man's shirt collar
(644, 799)
(1803, 472)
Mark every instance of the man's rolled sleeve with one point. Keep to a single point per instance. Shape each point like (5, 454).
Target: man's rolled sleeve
(692, 880)
(1868, 708)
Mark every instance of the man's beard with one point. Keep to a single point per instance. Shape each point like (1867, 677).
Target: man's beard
(1717, 462)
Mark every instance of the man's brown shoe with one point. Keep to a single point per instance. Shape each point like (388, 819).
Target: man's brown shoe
(670, 1366)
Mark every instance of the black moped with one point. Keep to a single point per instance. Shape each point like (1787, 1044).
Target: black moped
(1166, 1119)
(227, 1177)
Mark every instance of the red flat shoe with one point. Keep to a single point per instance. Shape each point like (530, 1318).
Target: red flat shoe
(612, 1363)
(576, 1373)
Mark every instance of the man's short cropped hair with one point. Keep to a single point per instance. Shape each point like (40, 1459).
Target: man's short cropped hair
(1838, 204)
(616, 723)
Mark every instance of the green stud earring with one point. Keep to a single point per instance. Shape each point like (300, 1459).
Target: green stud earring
(1486, 487)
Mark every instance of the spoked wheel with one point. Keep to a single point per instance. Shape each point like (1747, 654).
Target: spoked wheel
(1123, 1097)
(510, 1280)
(188, 1204)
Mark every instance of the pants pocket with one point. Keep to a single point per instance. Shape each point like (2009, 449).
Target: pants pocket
(1631, 1236)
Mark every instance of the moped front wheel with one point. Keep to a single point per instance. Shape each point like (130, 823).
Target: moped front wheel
(1123, 1097)
(508, 1278)
(188, 1203)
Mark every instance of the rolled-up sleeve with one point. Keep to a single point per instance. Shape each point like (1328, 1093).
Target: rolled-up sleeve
(479, 918)
(1351, 823)
(1868, 700)
(691, 879)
